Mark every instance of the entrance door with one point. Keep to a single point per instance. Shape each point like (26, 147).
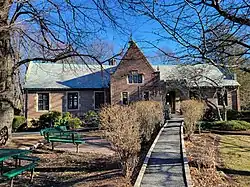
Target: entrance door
(170, 99)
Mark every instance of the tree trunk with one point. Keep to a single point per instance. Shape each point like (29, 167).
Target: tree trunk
(225, 111)
(6, 81)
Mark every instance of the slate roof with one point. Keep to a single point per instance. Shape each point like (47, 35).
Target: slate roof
(81, 76)
(203, 75)
(67, 76)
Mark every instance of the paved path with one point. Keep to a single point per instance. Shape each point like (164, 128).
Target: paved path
(165, 166)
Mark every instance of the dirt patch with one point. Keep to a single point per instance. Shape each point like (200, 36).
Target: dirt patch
(202, 153)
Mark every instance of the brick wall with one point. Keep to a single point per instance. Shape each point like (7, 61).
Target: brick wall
(134, 60)
(58, 102)
(55, 103)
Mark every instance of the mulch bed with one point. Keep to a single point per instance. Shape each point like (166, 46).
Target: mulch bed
(202, 153)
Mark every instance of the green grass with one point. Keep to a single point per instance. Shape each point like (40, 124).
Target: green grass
(235, 155)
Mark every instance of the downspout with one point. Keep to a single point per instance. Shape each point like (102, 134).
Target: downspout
(26, 105)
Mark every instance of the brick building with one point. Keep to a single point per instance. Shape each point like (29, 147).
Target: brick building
(77, 88)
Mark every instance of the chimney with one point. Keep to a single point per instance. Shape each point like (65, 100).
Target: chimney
(112, 62)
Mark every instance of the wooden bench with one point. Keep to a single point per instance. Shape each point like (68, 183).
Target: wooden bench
(14, 172)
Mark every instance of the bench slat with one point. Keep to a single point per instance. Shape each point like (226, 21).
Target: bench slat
(19, 170)
(65, 140)
(28, 158)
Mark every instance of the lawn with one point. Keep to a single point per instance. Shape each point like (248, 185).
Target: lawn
(235, 155)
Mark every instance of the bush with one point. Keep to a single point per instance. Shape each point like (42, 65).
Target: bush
(193, 111)
(238, 115)
(210, 115)
(19, 122)
(91, 119)
(234, 125)
(122, 129)
(45, 120)
(150, 116)
(74, 123)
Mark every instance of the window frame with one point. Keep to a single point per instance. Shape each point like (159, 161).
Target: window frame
(95, 99)
(67, 101)
(131, 77)
(122, 98)
(37, 108)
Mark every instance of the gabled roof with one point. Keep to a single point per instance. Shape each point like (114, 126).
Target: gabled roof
(202, 75)
(80, 76)
(67, 76)
(133, 49)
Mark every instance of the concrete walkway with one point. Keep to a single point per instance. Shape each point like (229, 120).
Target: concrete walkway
(165, 166)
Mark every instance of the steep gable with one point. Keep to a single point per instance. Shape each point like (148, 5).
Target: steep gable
(133, 58)
(133, 64)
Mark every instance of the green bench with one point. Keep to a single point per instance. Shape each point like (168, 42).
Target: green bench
(14, 172)
(27, 158)
(62, 136)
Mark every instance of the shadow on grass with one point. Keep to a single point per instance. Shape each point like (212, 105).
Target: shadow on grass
(234, 172)
(60, 181)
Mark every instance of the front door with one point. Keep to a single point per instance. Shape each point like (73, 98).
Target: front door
(170, 99)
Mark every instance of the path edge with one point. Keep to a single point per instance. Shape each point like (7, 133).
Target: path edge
(145, 162)
(186, 171)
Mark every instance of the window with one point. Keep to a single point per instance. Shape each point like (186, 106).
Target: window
(221, 98)
(125, 99)
(73, 100)
(146, 95)
(43, 101)
(134, 77)
(99, 99)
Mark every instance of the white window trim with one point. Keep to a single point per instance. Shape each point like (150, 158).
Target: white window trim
(67, 109)
(122, 98)
(94, 99)
(136, 83)
(37, 98)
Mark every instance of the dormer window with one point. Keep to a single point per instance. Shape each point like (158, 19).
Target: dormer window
(134, 77)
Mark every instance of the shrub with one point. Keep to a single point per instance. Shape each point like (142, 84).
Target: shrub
(122, 129)
(210, 115)
(74, 123)
(193, 111)
(149, 116)
(34, 122)
(51, 117)
(18, 123)
(233, 125)
(91, 119)
(234, 115)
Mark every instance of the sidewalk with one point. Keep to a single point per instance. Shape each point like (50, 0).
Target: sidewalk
(165, 166)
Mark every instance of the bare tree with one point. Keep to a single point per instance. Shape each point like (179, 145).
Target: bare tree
(45, 30)
(193, 23)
